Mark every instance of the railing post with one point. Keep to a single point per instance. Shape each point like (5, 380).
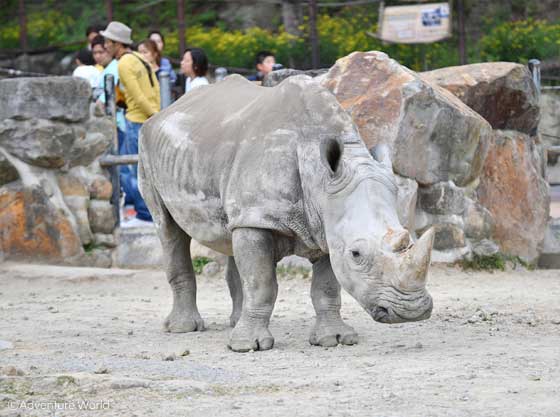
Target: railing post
(164, 89)
(220, 73)
(535, 68)
(111, 110)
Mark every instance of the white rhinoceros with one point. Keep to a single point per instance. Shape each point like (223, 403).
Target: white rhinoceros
(261, 173)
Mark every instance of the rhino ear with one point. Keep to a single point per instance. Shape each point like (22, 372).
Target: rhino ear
(331, 154)
(381, 153)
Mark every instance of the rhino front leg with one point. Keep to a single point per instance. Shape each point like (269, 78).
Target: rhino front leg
(253, 250)
(184, 316)
(329, 328)
(235, 290)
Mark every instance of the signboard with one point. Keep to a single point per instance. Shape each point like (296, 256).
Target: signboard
(423, 23)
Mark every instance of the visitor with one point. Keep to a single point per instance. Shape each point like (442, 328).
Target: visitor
(264, 63)
(165, 64)
(194, 67)
(91, 32)
(109, 68)
(85, 68)
(100, 55)
(151, 54)
(140, 88)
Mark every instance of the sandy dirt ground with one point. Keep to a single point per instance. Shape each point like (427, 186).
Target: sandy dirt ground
(89, 338)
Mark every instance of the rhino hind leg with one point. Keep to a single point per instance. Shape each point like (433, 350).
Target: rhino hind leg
(235, 290)
(329, 329)
(184, 316)
(253, 250)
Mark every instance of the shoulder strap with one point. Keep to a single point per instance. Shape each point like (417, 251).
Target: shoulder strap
(146, 65)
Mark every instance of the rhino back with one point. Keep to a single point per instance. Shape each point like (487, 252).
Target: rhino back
(225, 156)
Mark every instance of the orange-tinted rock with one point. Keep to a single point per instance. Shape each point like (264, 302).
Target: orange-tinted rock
(71, 186)
(502, 92)
(32, 228)
(514, 191)
(101, 188)
(433, 135)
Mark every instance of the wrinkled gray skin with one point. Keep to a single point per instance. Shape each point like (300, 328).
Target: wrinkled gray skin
(261, 173)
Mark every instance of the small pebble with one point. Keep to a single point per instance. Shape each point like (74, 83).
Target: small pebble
(12, 371)
(170, 357)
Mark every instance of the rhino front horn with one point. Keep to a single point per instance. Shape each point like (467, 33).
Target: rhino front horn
(417, 262)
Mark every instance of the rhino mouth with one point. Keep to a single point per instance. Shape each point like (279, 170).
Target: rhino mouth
(387, 314)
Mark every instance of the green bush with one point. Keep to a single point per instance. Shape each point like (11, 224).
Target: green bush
(498, 261)
(238, 48)
(42, 29)
(338, 37)
(199, 262)
(339, 33)
(520, 41)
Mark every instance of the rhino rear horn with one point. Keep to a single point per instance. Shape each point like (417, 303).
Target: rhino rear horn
(381, 153)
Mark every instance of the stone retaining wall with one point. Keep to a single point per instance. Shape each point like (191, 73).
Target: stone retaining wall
(465, 147)
(54, 196)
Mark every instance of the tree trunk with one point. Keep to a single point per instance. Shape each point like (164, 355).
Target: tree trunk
(313, 34)
(292, 16)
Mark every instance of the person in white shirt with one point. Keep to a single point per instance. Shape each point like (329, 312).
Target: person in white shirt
(86, 69)
(194, 66)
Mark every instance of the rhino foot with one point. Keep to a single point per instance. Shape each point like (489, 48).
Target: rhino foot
(244, 339)
(333, 334)
(234, 318)
(183, 322)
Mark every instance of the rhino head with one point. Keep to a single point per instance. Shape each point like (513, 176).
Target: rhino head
(372, 256)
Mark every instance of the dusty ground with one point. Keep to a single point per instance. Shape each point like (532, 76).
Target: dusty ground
(491, 348)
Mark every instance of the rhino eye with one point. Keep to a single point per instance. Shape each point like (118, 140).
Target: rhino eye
(357, 256)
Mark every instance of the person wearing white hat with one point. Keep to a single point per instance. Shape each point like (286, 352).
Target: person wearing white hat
(140, 88)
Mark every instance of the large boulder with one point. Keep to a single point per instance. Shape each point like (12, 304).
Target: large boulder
(407, 196)
(8, 172)
(101, 216)
(276, 77)
(38, 142)
(442, 198)
(93, 139)
(515, 193)
(33, 228)
(137, 248)
(550, 256)
(55, 98)
(549, 125)
(477, 220)
(502, 92)
(433, 135)
(77, 197)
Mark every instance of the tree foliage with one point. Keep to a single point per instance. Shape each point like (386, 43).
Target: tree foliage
(341, 31)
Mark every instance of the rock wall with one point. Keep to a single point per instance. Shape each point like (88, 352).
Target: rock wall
(54, 196)
(512, 187)
(467, 136)
(549, 128)
(477, 177)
